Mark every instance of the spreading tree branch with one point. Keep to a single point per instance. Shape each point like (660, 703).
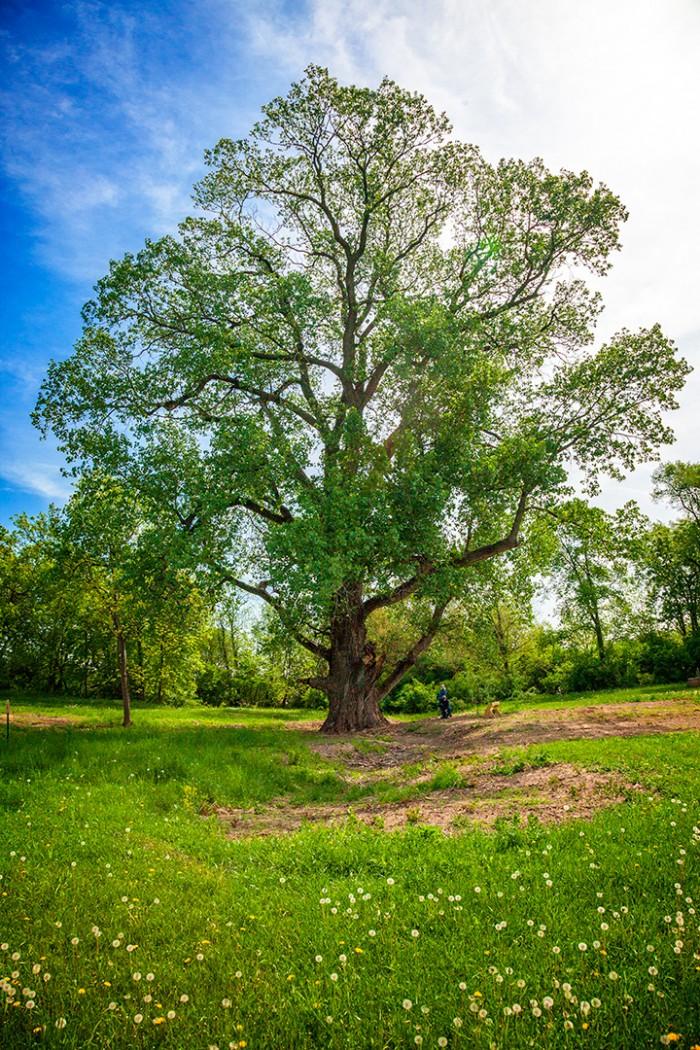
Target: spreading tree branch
(406, 663)
(261, 591)
(461, 561)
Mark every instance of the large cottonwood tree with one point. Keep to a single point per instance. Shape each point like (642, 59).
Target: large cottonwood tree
(353, 371)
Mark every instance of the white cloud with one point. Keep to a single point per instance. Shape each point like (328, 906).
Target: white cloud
(42, 478)
(613, 88)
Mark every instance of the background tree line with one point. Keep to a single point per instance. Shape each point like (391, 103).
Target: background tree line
(91, 605)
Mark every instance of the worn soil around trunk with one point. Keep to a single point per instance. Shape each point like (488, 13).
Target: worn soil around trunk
(485, 790)
(466, 735)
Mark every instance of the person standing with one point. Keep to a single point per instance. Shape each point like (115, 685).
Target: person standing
(444, 703)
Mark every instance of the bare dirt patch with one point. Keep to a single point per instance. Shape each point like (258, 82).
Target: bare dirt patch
(34, 721)
(552, 793)
(468, 735)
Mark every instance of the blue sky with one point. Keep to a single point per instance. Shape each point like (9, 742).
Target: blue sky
(108, 107)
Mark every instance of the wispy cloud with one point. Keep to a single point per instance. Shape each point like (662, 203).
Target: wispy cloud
(107, 108)
(105, 127)
(42, 478)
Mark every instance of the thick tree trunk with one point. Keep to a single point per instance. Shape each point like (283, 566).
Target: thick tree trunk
(123, 673)
(353, 709)
(351, 684)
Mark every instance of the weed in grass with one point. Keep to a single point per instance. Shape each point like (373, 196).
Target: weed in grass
(134, 922)
(520, 759)
(370, 747)
(446, 776)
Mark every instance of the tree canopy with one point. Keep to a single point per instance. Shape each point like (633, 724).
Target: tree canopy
(359, 367)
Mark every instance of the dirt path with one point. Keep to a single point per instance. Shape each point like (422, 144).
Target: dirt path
(466, 735)
(28, 719)
(552, 793)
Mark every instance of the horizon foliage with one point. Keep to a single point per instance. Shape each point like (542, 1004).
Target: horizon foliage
(64, 574)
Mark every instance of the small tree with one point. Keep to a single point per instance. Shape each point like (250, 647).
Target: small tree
(351, 373)
(107, 544)
(678, 483)
(669, 558)
(590, 568)
(670, 554)
(96, 541)
(501, 619)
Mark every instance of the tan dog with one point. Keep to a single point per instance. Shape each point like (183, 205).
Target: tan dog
(493, 709)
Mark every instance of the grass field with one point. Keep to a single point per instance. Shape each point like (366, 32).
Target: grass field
(127, 918)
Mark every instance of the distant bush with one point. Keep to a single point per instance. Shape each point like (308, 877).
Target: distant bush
(662, 656)
(215, 687)
(413, 697)
(691, 649)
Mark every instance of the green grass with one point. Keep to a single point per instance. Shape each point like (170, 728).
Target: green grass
(105, 713)
(100, 828)
(636, 695)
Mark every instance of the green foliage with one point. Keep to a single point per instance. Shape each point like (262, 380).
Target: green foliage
(445, 777)
(678, 483)
(669, 559)
(413, 697)
(333, 405)
(73, 581)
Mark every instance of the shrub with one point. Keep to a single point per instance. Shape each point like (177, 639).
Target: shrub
(413, 697)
